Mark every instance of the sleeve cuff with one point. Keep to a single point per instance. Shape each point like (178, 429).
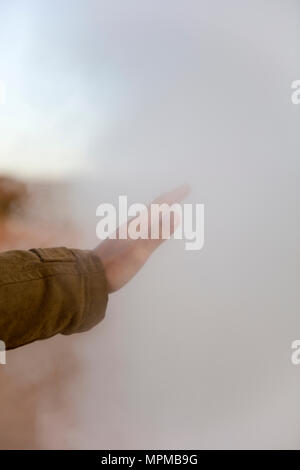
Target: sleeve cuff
(95, 292)
(90, 288)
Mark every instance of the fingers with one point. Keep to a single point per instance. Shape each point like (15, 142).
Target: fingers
(173, 197)
(169, 198)
(122, 258)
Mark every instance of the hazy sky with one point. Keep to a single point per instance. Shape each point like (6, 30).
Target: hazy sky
(135, 86)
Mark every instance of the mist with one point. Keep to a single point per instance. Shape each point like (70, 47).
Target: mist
(134, 98)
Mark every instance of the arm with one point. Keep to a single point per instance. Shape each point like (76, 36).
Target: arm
(48, 291)
(59, 290)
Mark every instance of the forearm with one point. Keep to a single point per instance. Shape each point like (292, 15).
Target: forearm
(48, 291)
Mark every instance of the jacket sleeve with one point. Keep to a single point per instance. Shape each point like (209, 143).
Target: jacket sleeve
(48, 291)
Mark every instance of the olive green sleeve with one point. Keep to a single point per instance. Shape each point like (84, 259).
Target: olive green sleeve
(48, 291)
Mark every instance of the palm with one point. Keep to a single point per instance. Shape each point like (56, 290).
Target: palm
(122, 259)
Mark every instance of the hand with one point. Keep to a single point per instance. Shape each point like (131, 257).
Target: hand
(122, 259)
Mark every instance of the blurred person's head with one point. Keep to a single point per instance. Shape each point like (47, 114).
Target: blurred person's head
(12, 196)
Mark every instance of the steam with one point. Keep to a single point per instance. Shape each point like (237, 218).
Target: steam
(134, 98)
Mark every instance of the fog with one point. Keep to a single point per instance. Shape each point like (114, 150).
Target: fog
(134, 98)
